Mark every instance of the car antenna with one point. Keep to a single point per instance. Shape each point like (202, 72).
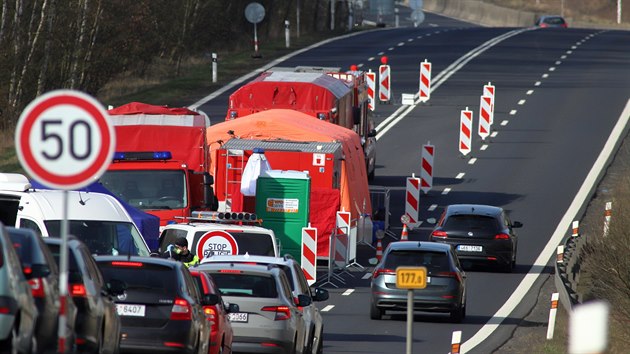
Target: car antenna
(81, 199)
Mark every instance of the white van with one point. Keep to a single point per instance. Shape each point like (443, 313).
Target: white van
(97, 219)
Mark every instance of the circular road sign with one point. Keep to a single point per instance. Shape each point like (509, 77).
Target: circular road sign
(64, 140)
(254, 12)
(216, 242)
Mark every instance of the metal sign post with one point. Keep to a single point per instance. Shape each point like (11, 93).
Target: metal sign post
(254, 13)
(64, 140)
(410, 278)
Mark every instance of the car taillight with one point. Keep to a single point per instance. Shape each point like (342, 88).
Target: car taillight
(381, 271)
(181, 310)
(77, 290)
(282, 312)
(450, 275)
(439, 233)
(127, 264)
(502, 237)
(37, 287)
(211, 316)
(233, 271)
(4, 310)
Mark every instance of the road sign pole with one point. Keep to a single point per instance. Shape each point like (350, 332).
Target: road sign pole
(63, 274)
(409, 321)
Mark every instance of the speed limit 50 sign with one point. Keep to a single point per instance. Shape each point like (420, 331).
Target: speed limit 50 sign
(64, 140)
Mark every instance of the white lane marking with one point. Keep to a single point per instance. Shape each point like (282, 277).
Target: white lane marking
(380, 53)
(550, 249)
(573, 47)
(360, 65)
(436, 32)
(371, 58)
(432, 207)
(494, 134)
(460, 175)
(328, 308)
(410, 40)
(563, 57)
(428, 34)
(400, 44)
(521, 102)
(390, 48)
(558, 62)
(552, 69)
(569, 51)
(529, 92)
(472, 161)
(483, 147)
(367, 276)
(545, 76)
(433, 25)
(347, 292)
(513, 112)
(537, 83)
(504, 123)
(419, 37)
(446, 191)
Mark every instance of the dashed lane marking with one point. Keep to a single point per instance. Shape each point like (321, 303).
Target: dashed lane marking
(558, 62)
(390, 48)
(529, 92)
(328, 308)
(504, 123)
(569, 52)
(432, 207)
(563, 57)
(446, 191)
(537, 83)
(367, 276)
(460, 175)
(483, 147)
(545, 76)
(521, 102)
(360, 65)
(552, 68)
(513, 112)
(472, 161)
(371, 58)
(494, 134)
(400, 44)
(347, 292)
(380, 53)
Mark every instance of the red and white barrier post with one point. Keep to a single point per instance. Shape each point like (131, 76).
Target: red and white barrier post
(489, 90)
(309, 254)
(412, 200)
(465, 131)
(342, 238)
(384, 80)
(607, 216)
(370, 77)
(552, 315)
(575, 227)
(485, 107)
(456, 341)
(425, 81)
(560, 254)
(426, 172)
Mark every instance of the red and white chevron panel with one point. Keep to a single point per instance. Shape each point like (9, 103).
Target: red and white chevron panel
(426, 172)
(309, 254)
(425, 81)
(485, 107)
(342, 238)
(384, 81)
(370, 77)
(489, 90)
(465, 131)
(412, 200)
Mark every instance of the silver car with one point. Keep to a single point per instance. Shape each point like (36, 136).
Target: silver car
(314, 342)
(446, 280)
(269, 320)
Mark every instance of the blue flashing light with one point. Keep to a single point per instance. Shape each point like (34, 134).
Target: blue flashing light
(171, 222)
(162, 155)
(142, 155)
(119, 155)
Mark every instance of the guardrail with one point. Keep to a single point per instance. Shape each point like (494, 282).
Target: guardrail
(567, 272)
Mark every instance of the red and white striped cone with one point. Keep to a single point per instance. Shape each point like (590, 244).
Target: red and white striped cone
(405, 235)
(379, 250)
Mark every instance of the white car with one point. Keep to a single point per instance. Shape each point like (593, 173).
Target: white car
(299, 286)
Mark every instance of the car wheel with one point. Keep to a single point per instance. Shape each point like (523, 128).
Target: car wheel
(375, 312)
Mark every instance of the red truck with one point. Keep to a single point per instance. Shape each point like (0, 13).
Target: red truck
(161, 160)
(325, 93)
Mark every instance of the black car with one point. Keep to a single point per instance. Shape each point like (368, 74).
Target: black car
(161, 309)
(40, 269)
(551, 21)
(97, 327)
(479, 233)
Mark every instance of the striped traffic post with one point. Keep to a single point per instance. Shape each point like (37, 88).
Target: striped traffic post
(465, 129)
(384, 81)
(560, 254)
(425, 81)
(607, 216)
(552, 315)
(485, 107)
(309, 254)
(412, 200)
(489, 90)
(575, 226)
(370, 77)
(426, 172)
(456, 340)
(342, 238)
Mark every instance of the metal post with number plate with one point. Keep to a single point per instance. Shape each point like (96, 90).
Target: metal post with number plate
(410, 278)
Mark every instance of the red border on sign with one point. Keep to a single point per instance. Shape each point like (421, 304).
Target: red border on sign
(52, 178)
(216, 233)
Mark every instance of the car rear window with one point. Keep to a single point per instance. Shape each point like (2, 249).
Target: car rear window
(27, 251)
(141, 276)
(74, 272)
(248, 285)
(554, 20)
(434, 261)
(470, 222)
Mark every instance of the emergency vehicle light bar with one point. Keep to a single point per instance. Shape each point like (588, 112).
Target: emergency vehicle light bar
(224, 217)
(142, 155)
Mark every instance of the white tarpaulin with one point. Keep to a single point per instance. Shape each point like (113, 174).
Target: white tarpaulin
(256, 165)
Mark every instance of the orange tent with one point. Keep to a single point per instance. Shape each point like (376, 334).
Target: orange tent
(285, 124)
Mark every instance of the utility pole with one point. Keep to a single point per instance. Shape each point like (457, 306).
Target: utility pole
(618, 11)
(332, 15)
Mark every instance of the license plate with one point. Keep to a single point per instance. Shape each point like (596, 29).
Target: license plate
(238, 317)
(469, 248)
(130, 310)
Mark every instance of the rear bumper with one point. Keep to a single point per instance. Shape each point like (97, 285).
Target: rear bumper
(171, 338)
(261, 345)
(400, 304)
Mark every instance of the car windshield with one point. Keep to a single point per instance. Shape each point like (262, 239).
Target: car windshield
(148, 189)
(434, 261)
(104, 237)
(470, 222)
(554, 20)
(234, 284)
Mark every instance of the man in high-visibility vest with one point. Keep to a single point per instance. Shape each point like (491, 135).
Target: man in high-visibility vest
(179, 252)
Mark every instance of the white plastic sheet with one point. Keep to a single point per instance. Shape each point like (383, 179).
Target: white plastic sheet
(256, 165)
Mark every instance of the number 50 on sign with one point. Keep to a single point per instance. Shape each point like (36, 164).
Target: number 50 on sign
(411, 277)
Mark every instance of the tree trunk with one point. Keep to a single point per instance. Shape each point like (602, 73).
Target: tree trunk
(78, 48)
(43, 69)
(92, 44)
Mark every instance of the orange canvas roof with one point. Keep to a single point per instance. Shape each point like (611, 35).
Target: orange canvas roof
(285, 124)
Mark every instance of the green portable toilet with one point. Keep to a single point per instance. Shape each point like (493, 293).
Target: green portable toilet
(282, 202)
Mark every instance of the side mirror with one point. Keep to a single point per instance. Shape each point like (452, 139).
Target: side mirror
(517, 224)
(116, 287)
(209, 299)
(303, 300)
(372, 133)
(320, 294)
(233, 308)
